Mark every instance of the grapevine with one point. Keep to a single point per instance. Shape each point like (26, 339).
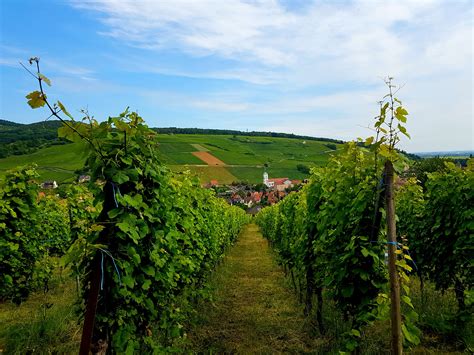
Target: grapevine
(155, 239)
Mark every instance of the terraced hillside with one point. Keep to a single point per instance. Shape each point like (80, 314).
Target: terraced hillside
(225, 158)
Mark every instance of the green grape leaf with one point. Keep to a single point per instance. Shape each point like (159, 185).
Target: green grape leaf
(369, 141)
(63, 110)
(36, 99)
(403, 130)
(400, 114)
(45, 79)
(120, 177)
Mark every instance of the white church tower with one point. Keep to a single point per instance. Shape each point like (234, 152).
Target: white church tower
(266, 181)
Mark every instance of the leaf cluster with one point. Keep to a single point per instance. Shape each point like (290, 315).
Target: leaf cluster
(390, 122)
(158, 235)
(438, 223)
(30, 230)
(154, 238)
(333, 236)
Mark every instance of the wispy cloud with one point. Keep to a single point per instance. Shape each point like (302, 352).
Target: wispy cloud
(295, 52)
(12, 56)
(350, 40)
(220, 106)
(133, 63)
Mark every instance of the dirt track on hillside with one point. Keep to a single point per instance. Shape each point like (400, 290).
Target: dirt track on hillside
(209, 159)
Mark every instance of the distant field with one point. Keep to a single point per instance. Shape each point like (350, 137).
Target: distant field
(56, 163)
(208, 158)
(207, 173)
(244, 157)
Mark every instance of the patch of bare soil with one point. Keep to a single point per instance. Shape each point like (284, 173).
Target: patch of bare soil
(209, 158)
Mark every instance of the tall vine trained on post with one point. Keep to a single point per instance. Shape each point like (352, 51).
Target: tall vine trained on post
(152, 244)
(338, 246)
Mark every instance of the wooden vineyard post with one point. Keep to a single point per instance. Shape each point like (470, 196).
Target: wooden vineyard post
(91, 308)
(396, 318)
(97, 270)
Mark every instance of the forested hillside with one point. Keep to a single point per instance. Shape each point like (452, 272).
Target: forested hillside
(18, 139)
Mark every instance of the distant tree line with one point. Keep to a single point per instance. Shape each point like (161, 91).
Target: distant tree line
(18, 139)
(175, 130)
(410, 155)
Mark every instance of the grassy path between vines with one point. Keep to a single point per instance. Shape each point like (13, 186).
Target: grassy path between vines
(253, 311)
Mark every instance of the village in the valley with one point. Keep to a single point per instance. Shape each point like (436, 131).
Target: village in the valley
(253, 197)
(250, 197)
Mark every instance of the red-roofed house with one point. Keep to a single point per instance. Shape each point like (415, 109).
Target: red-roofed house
(212, 183)
(279, 184)
(280, 181)
(256, 196)
(271, 198)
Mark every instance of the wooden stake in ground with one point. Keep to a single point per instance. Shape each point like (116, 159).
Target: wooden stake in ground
(90, 340)
(91, 308)
(396, 317)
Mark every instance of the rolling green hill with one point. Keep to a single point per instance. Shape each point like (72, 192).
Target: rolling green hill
(244, 157)
(19, 139)
(57, 162)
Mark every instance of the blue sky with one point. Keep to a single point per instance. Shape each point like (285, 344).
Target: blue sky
(305, 67)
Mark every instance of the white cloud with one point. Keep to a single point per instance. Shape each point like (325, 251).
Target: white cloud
(9, 62)
(356, 39)
(12, 56)
(259, 76)
(219, 106)
(425, 44)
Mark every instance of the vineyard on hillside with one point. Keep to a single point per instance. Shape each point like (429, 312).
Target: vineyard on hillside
(133, 250)
(331, 237)
(329, 241)
(141, 240)
(244, 157)
(153, 248)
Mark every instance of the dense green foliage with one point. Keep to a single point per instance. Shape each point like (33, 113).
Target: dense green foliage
(155, 239)
(421, 168)
(144, 238)
(158, 235)
(439, 224)
(18, 139)
(81, 210)
(326, 236)
(20, 247)
(30, 230)
(339, 246)
(54, 222)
